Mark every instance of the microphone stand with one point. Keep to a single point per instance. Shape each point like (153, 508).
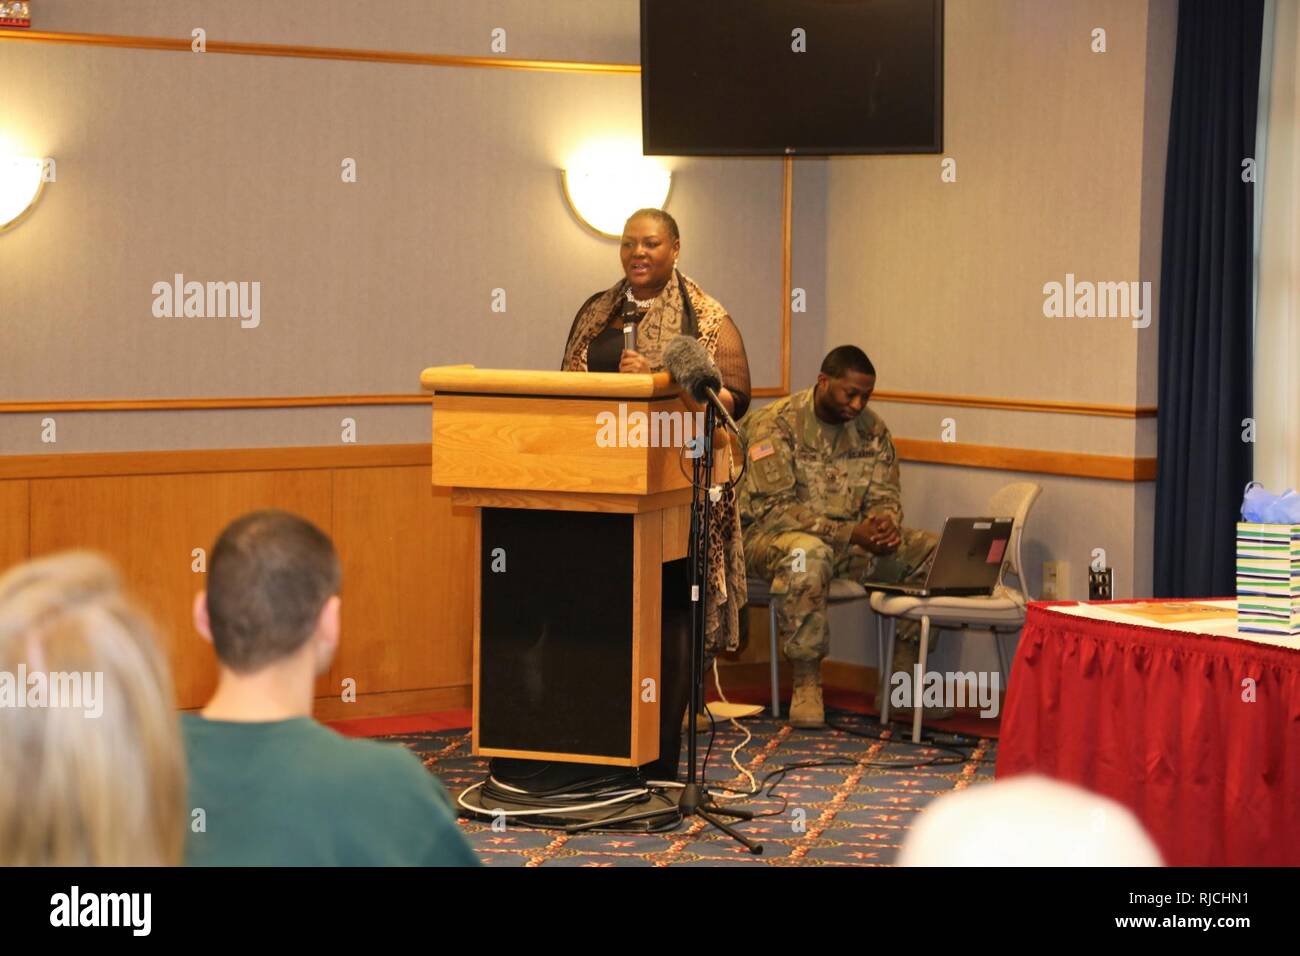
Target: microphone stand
(695, 799)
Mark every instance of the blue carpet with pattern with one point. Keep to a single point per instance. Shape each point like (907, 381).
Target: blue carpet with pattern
(854, 813)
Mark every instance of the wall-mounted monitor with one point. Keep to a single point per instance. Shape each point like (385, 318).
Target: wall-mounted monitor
(763, 77)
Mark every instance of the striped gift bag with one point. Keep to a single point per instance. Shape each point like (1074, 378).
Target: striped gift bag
(1268, 578)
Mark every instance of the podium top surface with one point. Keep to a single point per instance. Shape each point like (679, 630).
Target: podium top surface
(466, 379)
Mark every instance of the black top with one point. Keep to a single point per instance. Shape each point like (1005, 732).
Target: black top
(605, 350)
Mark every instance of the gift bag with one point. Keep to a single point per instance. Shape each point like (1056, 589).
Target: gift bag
(1268, 563)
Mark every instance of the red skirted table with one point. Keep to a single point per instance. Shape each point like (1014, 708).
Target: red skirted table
(1192, 726)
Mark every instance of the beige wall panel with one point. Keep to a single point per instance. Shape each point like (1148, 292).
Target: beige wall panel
(1060, 162)
(14, 511)
(809, 338)
(729, 212)
(20, 434)
(942, 282)
(602, 30)
(1144, 534)
(150, 524)
(984, 426)
(1144, 441)
(226, 168)
(1083, 434)
(407, 567)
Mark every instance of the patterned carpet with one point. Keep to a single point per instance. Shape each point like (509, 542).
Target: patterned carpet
(855, 814)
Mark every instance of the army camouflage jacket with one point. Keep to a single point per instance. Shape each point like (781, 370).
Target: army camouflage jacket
(821, 479)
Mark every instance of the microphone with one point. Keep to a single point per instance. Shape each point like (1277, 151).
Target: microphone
(691, 368)
(631, 316)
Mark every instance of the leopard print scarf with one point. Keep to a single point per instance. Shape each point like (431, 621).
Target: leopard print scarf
(664, 320)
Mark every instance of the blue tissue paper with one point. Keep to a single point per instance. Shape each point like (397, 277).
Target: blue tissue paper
(1262, 506)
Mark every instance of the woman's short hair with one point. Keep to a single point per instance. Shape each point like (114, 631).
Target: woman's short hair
(660, 216)
(92, 769)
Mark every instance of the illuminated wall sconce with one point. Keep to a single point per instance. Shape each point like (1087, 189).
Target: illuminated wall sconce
(604, 183)
(21, 183)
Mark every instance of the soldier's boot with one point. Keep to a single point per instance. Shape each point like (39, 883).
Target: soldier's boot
(906, 654)
(806, 709)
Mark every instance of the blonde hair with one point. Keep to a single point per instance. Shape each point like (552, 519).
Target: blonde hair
(78, 789)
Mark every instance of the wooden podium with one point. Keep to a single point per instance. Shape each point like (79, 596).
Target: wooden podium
(573, 532)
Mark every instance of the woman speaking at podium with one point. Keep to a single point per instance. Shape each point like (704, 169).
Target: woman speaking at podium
(660, 303)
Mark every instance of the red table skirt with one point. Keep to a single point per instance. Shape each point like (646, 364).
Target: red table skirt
(1156, 720)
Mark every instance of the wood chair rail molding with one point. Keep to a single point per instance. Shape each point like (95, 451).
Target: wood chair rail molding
(207, 461)
(35, 407)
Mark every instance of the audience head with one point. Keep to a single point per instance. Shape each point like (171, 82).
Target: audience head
(1027, 821)
(844, 384)
(272, 594)
(91, 766)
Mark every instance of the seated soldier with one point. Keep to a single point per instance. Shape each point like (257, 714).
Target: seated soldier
(275, 787)
(821, 500)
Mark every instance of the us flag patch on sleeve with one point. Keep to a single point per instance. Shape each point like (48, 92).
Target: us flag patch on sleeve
(761, 451)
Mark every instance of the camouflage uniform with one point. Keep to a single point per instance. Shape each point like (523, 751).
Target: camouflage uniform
(808, 486)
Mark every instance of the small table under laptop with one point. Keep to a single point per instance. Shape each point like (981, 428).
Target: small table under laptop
(1191, 724)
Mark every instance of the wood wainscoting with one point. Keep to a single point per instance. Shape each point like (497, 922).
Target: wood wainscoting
(405, 550)
(407, 554)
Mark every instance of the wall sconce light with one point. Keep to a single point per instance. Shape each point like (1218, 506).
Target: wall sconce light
(604, 183)
(21, 183)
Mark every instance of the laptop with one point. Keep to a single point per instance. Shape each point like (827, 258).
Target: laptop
(966, 562)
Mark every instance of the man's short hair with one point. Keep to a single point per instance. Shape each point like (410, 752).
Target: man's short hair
(270, 574)
(847, 358)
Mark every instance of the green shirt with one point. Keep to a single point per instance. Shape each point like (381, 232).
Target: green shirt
(295, 793)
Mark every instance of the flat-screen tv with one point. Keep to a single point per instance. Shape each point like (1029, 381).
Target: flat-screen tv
(763, 77)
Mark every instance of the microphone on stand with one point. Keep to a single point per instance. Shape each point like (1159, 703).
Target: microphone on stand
(691, 368)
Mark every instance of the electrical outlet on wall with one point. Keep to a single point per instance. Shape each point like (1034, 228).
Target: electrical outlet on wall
(1101, 584)
(1056, 581)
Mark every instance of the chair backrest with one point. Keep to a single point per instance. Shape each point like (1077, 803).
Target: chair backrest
(1015, 500)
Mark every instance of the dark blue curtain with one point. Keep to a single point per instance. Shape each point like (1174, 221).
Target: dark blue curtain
(1206, 276)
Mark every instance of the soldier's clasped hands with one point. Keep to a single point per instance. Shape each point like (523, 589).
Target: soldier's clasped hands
(878, 534)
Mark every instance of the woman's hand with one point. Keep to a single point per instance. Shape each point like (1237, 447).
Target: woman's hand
(633, 362)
